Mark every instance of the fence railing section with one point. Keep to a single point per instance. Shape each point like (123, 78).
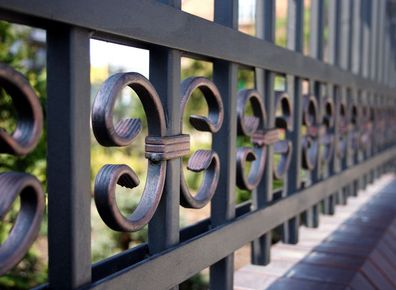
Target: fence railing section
(334, 121)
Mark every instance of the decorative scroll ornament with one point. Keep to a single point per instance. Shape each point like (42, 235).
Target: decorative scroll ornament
(12, 184)
(366, 128)
(326, 132)
(354, 134)
(123, 134)
(283, 123)
(310, 142)
(343, 131)
(254, 127)
(202, 160)
(392, 120)
(158, 148)
(379, 126)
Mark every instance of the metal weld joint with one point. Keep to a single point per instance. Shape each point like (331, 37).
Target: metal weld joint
(165, 148)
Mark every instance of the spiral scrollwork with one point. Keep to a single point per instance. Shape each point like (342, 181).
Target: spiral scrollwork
(254, 127)
(14, 184)
(327, 135)
(158, 148)
(202, 160)
(354, 133)
(310, 142)
(366, 128)
(122, 134)
(30, 117)
(283, 122)
(343, 131)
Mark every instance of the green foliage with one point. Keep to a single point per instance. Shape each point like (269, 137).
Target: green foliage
(18, 51)
(27, 274)
(196, 282)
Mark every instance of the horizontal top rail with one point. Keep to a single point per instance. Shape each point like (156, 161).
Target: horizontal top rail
(204, 38)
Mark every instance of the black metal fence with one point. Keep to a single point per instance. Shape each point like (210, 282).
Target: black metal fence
(341, 133)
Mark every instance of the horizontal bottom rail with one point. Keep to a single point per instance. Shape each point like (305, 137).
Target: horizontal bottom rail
(190, 257)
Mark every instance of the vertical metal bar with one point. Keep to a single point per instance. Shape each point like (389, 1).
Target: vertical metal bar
(379, 60)
(346, 30)
(294, 87)
(381, 41)
(165, 76)
(342, 194)
(163, 231)
(311, 216)
(357, 38)
(334, 32)
(353, 155)
(68, 172)
(366, 27)
(224, 143)
(334, 93)
(385, 54)
(295, 27)
(265, 29)
(357, 67)
(316, 29)
(367, 40)
(387, 49)
(374, 32)
(345, 34)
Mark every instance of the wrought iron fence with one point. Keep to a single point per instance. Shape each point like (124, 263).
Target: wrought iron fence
(341, 133)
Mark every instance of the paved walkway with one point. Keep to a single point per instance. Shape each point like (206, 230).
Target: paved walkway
(354, 249)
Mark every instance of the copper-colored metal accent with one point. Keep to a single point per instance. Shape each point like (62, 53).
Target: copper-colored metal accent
(326, 134)
(310, 142)
(343, 131)
(214, 120)
(354, 133)
(27, 225)
(165, 148)
(123, 134)
(267, 137)
(254, 127)
(105, 184)
(13, 184)
(202, 160)
(365, 128)
(30, 116)
(283, 122)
